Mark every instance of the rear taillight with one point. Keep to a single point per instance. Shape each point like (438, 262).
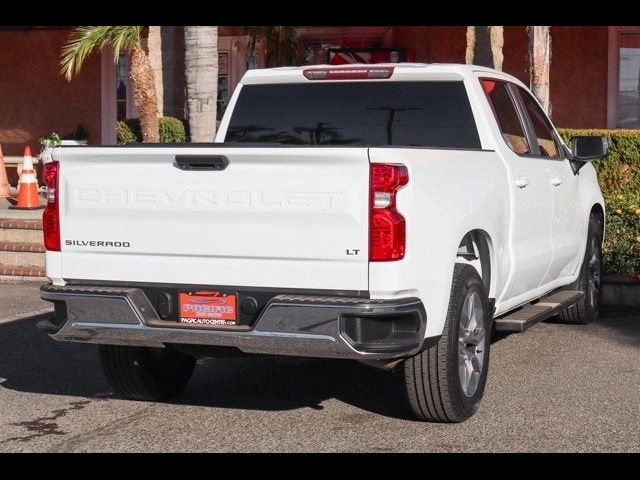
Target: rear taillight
(51, 215)
(386, 225)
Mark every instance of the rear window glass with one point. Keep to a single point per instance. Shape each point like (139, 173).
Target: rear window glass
(423, 114)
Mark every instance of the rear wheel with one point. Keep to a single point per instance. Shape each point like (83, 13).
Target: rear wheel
(139, 373)
(587, 308)
(445, 382)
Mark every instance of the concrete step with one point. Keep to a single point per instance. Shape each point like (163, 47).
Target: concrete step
(22, 254)
(18, 230)
(12, 272)
(21, 244)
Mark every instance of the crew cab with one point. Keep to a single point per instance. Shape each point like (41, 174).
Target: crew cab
(392, 214)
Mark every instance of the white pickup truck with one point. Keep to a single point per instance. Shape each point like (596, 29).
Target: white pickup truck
(390, 214)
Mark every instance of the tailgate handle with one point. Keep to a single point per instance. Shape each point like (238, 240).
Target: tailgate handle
(201, 162)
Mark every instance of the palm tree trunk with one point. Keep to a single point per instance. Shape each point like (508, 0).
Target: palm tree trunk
(201, 72)
(540, 64)
(154, 47)
(144, 95)
(484, 46)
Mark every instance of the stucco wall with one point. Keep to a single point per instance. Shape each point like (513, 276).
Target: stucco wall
(35, 99)
(413, 38)
(173, 67)
(578, 65)
(447, 44)
(578, 72)
(579, 76)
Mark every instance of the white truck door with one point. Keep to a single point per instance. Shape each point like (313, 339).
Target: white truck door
(567, 222)
(531, 193)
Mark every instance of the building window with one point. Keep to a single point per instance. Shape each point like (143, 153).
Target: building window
(342, 56)
(121, 86)
(320, 51)
(316, 42)
(223, 84)
(628, 94)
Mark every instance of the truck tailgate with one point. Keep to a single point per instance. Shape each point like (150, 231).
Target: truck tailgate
(273, 217)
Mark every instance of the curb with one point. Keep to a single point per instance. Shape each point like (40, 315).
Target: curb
(15, 279)
(620, 291)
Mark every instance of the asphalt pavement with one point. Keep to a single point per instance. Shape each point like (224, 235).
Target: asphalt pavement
(554, 388)
(22, 300)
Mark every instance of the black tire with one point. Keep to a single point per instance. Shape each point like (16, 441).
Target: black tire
(149, 374)
(432, 377)
(587, 309)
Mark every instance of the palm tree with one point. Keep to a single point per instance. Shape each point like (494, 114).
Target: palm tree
(83, 41)
(484, 46)
(154, 49)
(540, 64)
(201, 72)
(280, 44)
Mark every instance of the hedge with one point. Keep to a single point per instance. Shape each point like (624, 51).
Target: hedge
(619, 177)
(172, 130)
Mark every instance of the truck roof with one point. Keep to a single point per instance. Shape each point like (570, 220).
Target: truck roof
(401, 72)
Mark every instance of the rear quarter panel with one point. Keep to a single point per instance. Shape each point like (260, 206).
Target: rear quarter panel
(450, 193)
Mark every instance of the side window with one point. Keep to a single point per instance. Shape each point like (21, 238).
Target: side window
(541, 125)
(507, 116)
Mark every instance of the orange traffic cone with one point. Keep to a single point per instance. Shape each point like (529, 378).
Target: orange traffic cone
(28, 188)
(4, 182)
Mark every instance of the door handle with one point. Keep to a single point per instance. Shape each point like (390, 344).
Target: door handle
(555, 181)
(201, 162)
(521, 182)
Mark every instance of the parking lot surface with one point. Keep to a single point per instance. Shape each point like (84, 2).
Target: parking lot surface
(554, 388)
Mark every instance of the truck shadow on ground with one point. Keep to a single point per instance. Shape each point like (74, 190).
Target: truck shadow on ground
(619, 324)
(32, 362)
(622, 324)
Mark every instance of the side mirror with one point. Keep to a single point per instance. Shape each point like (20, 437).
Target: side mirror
(585, 149)
(589, 148)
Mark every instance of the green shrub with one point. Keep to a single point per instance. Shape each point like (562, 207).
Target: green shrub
(172, 130)
(124, 134)
(622, 245)
(619, 177)
(621, 168)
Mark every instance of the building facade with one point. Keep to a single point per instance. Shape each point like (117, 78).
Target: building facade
(595, 73)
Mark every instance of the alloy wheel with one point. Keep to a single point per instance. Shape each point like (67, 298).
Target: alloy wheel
(471, 343)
